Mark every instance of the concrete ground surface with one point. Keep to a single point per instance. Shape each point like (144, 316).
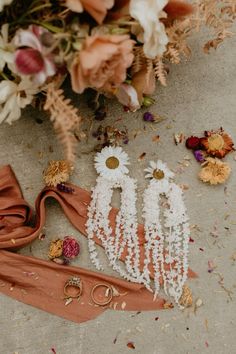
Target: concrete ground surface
(200, 96)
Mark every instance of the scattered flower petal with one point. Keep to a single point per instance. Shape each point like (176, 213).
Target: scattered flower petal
(186, 299)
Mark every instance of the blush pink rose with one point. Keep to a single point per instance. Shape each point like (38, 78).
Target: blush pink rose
(102, 63)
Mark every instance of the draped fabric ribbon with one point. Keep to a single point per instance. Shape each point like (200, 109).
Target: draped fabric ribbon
(40, 283)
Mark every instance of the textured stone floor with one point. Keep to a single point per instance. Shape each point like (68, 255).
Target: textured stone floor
(200, 96)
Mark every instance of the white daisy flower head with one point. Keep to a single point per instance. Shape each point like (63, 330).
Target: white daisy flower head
(111, 163)
(158, 170)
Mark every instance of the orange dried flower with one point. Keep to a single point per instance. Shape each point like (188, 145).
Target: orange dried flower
(214, 171)
(217, 143)
(57, 172)
(55, 249)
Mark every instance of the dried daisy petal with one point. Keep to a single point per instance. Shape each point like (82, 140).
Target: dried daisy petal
(186, 299)
(57, 172)
(217, 143)
(55, 249)
(214, 171)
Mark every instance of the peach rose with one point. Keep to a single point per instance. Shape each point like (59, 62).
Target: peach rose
(96, 8)
(102, 63)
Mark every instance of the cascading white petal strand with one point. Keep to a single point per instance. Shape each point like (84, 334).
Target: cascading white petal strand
(167, 241)
(111, 165)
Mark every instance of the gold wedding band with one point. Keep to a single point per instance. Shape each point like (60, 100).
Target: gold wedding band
(109, 296)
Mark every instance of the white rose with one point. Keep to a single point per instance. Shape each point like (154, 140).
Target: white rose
(153, 35)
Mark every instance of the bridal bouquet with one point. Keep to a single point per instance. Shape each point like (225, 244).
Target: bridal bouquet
(117, 48)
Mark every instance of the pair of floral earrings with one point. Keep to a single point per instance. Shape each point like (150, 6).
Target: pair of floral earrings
(166, 229)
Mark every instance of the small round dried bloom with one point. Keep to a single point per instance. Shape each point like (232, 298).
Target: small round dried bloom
(71, 247)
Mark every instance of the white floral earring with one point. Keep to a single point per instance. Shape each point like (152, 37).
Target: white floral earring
(167, 232)
(111, 164)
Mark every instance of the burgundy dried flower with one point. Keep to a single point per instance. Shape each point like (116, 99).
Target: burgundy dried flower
(193, 143)
(199, 155)
(71, 247)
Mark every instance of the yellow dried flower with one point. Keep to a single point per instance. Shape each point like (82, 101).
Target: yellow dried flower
(57, 172)
(55, 249)
(186, 299)
(214, 171)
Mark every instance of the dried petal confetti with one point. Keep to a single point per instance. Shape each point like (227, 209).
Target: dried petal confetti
(130, 345)
(141, 157)
(186, 299)
(179, 138)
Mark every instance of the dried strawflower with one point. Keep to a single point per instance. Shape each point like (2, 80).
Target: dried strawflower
(57, 172)
(193, 143)
(217, 143)
(71, 247)
(214, 171)
(55, 249)
(186, 299)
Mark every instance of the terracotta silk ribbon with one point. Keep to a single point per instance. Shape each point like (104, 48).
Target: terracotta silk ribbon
(40, 283)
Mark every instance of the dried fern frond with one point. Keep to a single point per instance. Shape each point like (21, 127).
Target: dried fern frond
(64, 117)
(214, 43)
(160, 70)
(172, 54)
(139, 59)
(219, 17)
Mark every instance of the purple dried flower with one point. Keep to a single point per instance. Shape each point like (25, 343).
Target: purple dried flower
(199, 155)
(71, 247)
(148, 117)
